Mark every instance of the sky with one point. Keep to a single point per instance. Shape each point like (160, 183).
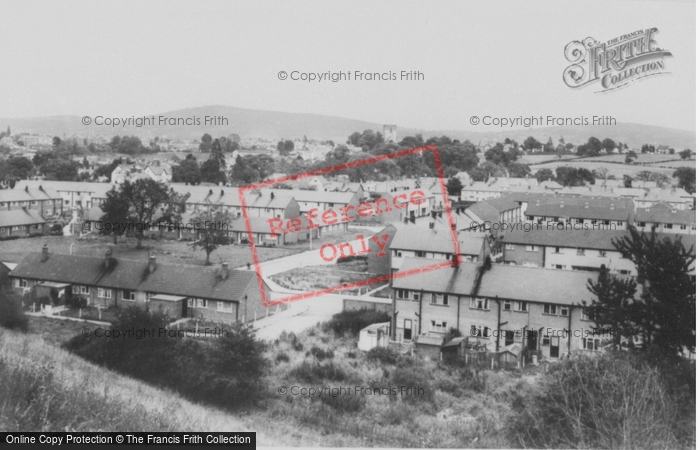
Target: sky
(496, 57)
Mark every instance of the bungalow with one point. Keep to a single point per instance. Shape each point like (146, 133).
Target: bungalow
(21, 222)
(213, 293)
(536, 308)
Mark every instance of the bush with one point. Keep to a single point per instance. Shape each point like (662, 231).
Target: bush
(612, 401)
(343, 403)
(412, 376)
(11, 313)
(313, 372)
(321, 354)
(347, 259)
(76, 302)
(227, 371)
(383, 354)
(353, 321)
(282, 357)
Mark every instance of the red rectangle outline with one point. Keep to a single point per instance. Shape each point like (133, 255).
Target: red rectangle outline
(446, 201)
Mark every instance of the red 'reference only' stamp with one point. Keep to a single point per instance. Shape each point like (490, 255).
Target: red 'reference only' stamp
(329, 252)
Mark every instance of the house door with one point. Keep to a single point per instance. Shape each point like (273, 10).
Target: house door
(407, 329)
(532, 340)
(184, 307)
(554, 347)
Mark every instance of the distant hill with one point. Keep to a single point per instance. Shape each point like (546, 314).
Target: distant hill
(276, 125)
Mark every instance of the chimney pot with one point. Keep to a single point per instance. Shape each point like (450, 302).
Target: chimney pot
(151, 264)
(26, 189)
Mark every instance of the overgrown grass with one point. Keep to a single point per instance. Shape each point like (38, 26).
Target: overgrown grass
(615, 401)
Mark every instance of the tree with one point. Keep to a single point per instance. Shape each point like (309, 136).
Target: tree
(454, 186)
(517, 170)
(15, 168)
(211, 226)
(205, 144)
(544, 175)
(285, 147)
(60, 169)
(144, 198)
(667, 307)
(686, 178)
(628, 181)
(609, 145)
(531, 143)
(56, 142)
(116, 217)
(187, 172)
(685, 154)
(549, 146)
(614, 307)
(211, 171)
(629, 157)
(498, 155)
(86, 163)
(571, 176)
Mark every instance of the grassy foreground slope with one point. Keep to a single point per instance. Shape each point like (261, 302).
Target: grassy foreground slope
(45, 388)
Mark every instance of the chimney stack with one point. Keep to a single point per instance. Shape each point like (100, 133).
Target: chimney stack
(108, 257)
(26, 189)
(44, 253)
(223, 272)
(151, 264)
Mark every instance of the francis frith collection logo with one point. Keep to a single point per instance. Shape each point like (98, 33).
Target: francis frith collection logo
(615, 63)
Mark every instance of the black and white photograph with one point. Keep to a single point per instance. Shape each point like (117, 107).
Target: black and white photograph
(396, 224)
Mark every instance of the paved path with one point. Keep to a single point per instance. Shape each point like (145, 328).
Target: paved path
(303, 314)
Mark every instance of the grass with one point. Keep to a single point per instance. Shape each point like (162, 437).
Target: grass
(166, 251)
(320, 277)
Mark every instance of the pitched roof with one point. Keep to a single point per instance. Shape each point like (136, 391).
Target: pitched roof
(502, 281)
(28, 194)
(437, 240)
(191, 281)
(601, 208)
(593, 239)
(67, 186)
(19, 217)
(664, 213)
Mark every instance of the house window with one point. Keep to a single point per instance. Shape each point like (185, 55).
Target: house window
(397, 253)
(438, 327)
(507, 305)
(594, 222)
(439, 299)
(641, 224)
(581, 252)
(557, 266)
(201, 303)
(521, 306)
(619, 223)
(420, 254)
(550, 309)
(190, 303)
(530, 218)
(20, 283)
(602, 253)
(480, 303)
(579, 220)
(128, 295)
(226, 307)
(510, 247)
(104, 293)
(668, 226)
(403, 294)
(589, 343)
(479, 331)
(564, 311)
(624, 272)
(585, 315)
(557, 249)
(683, 227)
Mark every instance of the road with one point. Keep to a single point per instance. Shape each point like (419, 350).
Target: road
(305, 313)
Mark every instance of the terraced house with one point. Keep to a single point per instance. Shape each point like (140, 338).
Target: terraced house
(580, 212)
(41, 199)
(536, 308)
(213, 293)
